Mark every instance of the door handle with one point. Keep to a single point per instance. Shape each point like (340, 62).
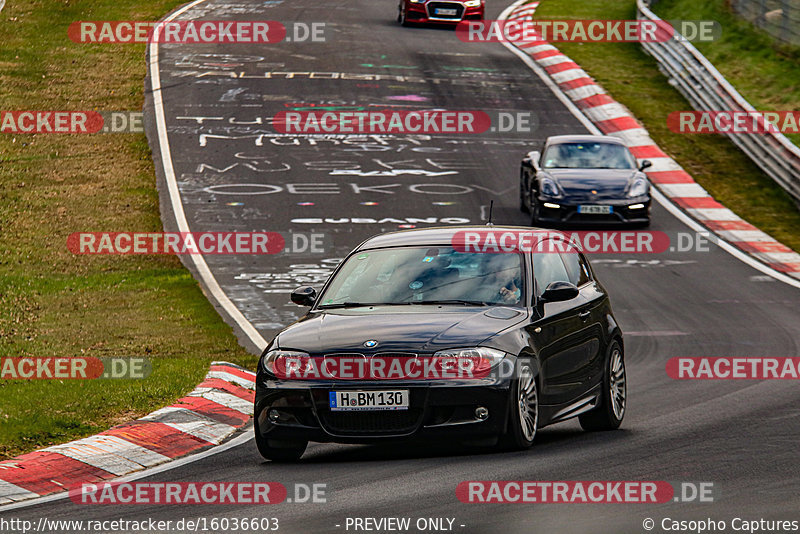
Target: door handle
(585, 315)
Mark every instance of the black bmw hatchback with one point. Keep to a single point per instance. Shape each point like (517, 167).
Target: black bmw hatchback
(440, 333)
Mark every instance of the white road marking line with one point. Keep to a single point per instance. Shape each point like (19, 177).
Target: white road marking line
(199, 261)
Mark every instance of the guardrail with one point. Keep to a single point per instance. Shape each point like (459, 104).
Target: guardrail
(707, 90)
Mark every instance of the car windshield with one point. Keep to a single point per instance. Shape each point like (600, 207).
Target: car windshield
(426, 275)
(588, 156)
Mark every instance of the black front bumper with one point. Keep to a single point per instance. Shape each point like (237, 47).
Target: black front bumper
(567, 212)
(441, 409)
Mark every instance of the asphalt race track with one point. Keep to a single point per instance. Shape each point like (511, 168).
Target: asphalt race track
(235, 173)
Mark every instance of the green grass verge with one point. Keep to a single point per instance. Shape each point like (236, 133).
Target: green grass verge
(633, 79)
(764, 71)
(55, 304)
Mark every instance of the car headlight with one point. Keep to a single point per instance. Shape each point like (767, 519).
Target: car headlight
(473, 3)
(549, 188)
(269, 361)
(476, 361)
(640, 187)
(418, 1)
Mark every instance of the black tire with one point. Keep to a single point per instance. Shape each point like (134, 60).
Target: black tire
(610, 411)
(534, 213)
(401, 17)
(523, 420)
(523, 206)
(279, 451)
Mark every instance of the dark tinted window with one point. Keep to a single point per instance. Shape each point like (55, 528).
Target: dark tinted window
(420, 274)
(590, 155)
(577, 269)
(548, 268)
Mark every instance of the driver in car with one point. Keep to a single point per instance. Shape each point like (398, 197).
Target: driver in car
(510, 292)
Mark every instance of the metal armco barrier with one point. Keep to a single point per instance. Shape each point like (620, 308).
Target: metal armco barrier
(707, 90)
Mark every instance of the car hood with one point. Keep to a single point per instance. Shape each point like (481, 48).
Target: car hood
(608, 183)
(414, 328)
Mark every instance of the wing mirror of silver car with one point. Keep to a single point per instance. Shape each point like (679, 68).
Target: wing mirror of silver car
(645, 164)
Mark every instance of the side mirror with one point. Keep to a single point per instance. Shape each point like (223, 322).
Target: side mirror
(645, 164)
(304, 296)
(534, 157)
(559, 292)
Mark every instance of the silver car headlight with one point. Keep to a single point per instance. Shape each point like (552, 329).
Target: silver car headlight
(474, 361)
(269, 360)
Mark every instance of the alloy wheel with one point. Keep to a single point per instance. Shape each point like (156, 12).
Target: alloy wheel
(617, 384)
(528, 405)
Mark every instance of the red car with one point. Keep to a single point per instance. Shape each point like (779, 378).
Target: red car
(439, 11)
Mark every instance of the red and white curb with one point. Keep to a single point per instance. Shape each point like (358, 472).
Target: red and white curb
(612, 118)
(212, 412)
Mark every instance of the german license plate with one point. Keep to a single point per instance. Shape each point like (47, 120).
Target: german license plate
(369, 400)
(596, 210)
(446, 12)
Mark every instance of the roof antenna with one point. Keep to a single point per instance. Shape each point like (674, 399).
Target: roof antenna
(491, 207)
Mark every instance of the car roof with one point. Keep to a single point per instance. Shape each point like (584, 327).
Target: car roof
(559, 139)
(437, 235)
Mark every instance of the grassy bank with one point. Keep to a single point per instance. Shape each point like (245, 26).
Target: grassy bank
(633, 78)
(764, 71)
(53, 303)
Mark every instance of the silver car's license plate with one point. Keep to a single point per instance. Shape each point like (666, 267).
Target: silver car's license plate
(446, 12)
(396, 399)
(596, 210)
